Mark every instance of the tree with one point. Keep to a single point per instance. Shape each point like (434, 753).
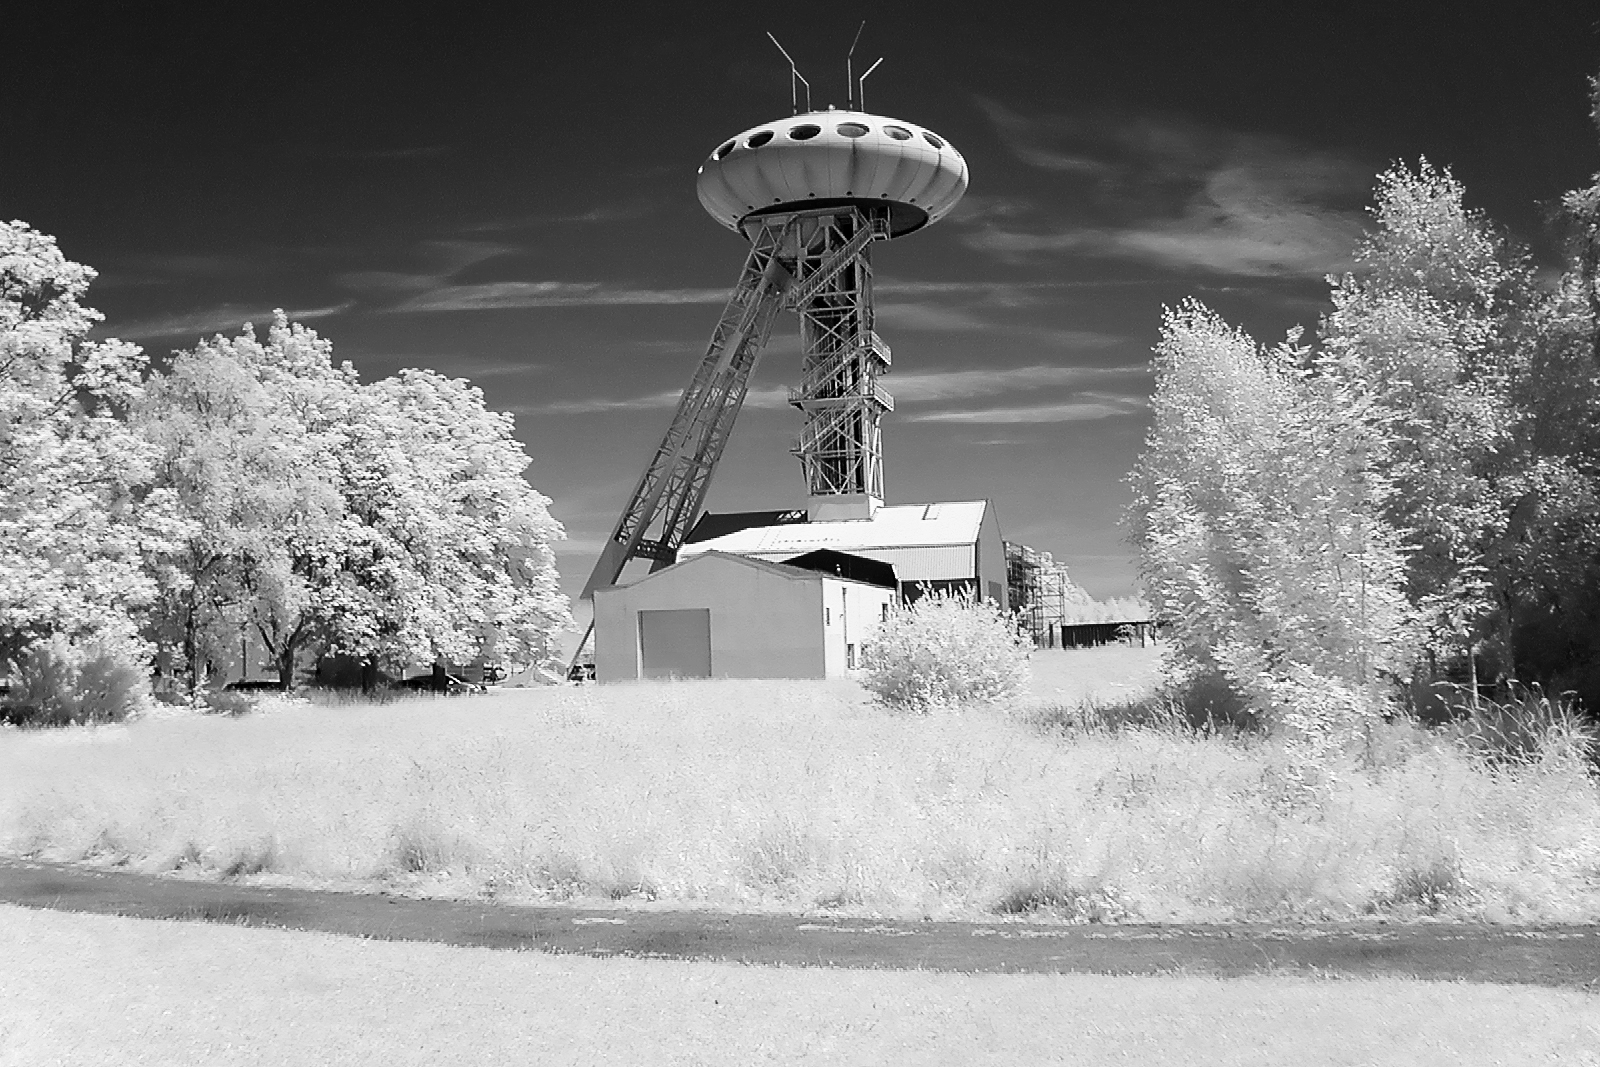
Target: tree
(1260, 526)
(1582, 209)
(1427, 330)
(450, 545)
(79, 512)
(390, 522)
(250, 458)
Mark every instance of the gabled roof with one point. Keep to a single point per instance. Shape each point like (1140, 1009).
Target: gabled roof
(891, 526)
(781, 570)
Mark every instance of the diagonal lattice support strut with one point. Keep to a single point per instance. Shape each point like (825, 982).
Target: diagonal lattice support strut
(813, 261)
(673, 487)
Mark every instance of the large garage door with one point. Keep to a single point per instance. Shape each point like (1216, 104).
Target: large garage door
(675, 644)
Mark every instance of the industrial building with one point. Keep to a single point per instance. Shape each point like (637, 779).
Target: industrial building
(951, 547)
(717, 615)
(796, 593)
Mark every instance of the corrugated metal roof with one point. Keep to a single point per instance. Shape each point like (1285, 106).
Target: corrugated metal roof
(893, 526)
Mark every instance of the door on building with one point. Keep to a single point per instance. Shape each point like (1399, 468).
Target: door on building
(675, 643)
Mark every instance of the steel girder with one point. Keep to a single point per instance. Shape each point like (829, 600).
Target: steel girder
(814, 262)
(840, 446)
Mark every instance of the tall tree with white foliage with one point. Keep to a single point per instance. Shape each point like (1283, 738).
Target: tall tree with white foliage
(245, 437)
(451, 547)
(80, 515)
(1427, 330)
(390, 522)
(1259, 522)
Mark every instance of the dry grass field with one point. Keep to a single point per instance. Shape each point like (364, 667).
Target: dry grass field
(805, 797)
(172, 993)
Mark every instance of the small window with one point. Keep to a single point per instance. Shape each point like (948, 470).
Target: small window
(899, 133)
(931, 139)
(722, 152)
(759, 138)
(885, 613)
(850, 656)
(827, 616)
(852, 129)
(803, 133)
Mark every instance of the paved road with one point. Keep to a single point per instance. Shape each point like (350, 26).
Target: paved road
(1539, 955)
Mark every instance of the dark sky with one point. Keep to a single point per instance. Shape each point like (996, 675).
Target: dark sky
(506, 195)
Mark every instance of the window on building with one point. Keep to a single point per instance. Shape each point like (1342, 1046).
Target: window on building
(850, 656)
(886, 613)
(827, 616)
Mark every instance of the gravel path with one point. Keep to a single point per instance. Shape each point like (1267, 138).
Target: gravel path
(1565, 956)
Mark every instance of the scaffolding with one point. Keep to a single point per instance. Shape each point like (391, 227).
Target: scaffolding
(1055, 612)
(1040, 591)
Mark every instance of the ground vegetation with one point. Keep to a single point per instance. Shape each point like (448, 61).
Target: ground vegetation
(813, 797)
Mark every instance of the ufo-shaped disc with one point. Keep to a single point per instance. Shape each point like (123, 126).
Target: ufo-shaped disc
(830, 158)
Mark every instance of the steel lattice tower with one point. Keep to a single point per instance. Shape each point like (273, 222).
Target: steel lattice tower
(811, 194)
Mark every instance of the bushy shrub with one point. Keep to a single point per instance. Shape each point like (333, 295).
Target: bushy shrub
(1203, 705)
(229, 702)
(1526, 727)
(944, 651)
(59, 681)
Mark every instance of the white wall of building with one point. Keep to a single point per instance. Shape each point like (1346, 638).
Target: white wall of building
(765, 623)
(854, 610)
(991, 560)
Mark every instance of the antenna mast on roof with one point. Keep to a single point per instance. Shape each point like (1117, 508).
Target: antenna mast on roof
(849, 77)
(794, 72)
(861, 86)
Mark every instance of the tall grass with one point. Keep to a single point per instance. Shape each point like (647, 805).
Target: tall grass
(805, 796)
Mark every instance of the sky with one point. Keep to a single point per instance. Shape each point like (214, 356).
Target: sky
(506, 195)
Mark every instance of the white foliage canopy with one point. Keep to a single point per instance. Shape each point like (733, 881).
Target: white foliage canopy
(79, 512)
(1259, 519)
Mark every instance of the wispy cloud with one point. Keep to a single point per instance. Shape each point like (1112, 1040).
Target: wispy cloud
(934, 386)
(978, 207)
(1238, 224)
(759, 399)
(1180, 195)
(488, 295)
(921, 388)
(151, 269)
(1087, 407)
(1000, 292)
(930, 318)
(947, 318)
(210, 320)
(626, 211)
(451, 365)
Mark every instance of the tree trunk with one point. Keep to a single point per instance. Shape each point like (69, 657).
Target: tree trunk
(1472, 661)
(441, 681)
(286, 668)
(369, 675)
(190, 654)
